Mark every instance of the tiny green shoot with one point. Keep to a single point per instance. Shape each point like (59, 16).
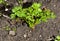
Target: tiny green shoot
(7, 28)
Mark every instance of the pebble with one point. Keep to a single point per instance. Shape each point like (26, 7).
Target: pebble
(30, 31)
(5, 0)
(6, 16)
(24, 1)
(16, 3)
(49, 39)
(54, 5)
(12, 33)
(40, 36)
(6, 9)
(25, 35)
(35, 39)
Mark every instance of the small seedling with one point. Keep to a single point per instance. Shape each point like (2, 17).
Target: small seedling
(32, 15)
(57, 38)
(7, 28)
(14, 29)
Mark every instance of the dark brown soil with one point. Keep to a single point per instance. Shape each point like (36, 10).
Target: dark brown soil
(42, 32)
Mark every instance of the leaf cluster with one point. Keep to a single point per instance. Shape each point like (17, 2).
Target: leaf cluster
(1, 1)
(33, 15)
(57, 38)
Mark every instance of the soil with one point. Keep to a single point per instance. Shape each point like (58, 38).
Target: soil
(42, 32)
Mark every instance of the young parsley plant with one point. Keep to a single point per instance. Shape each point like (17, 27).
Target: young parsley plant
(33, 15)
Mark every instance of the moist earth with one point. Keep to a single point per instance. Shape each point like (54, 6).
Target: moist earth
(43, 32)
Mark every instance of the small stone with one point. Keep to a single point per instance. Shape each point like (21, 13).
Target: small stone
(40, 36)
(35, 39)
(25, 35)
(6, 16)
(12, 33)
(54, 5)
(6, 9)
(49, 39)
(16, 3)
(5, 0)
(24, 1)
(30, 31)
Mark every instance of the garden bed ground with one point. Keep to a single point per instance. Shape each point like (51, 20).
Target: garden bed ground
(42, 32)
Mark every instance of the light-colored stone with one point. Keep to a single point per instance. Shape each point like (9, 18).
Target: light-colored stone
(12, 33)
(16, 3)
(24, 1)
(25, 35)
(5, 0)
(40, 36)
(6, 9)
